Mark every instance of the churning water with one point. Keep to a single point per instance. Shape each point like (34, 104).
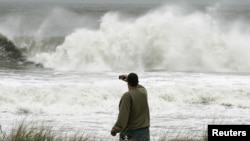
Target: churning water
(60, 64)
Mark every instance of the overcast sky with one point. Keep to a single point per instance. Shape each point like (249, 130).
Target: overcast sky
(116, 1)
(138, 1)
(101, 1)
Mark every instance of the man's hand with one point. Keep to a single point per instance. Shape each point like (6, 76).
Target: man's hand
(126, 77)
(114, 132)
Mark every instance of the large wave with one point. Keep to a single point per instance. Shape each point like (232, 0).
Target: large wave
(169, 38)
(166, 38)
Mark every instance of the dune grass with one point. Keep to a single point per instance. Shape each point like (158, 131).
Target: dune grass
(180, 137)
(26, 132)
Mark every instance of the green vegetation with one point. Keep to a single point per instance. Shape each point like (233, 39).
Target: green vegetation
(26, 132)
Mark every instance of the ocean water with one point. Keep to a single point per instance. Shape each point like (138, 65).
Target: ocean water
(60, 64)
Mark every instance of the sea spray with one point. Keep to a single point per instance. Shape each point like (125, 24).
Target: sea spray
(165, 38)
(43, 92)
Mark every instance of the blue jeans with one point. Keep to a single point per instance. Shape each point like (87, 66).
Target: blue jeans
(141, 134)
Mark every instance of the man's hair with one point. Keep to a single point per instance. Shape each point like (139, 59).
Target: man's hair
(132, 79)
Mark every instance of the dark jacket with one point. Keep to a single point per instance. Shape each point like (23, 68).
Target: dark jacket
(133, 110)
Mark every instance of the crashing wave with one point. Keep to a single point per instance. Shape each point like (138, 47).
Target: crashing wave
(9, 52)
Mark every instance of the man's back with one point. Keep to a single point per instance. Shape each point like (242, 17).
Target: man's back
(133, 119)
(139, 112)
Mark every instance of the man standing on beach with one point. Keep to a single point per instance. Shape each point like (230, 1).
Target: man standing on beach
(133, 119)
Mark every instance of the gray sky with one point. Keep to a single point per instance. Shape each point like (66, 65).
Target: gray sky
(140, 1)
(89, 1)
(114, 1)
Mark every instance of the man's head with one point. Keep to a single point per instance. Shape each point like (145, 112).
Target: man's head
(132, 79)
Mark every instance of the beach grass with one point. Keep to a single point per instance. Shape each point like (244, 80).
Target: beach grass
(26, 132)
(166, 136)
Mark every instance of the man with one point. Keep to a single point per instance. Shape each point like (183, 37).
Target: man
(133, 119)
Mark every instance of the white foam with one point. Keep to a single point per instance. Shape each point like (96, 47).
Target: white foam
(100, 93)
(165, 38)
